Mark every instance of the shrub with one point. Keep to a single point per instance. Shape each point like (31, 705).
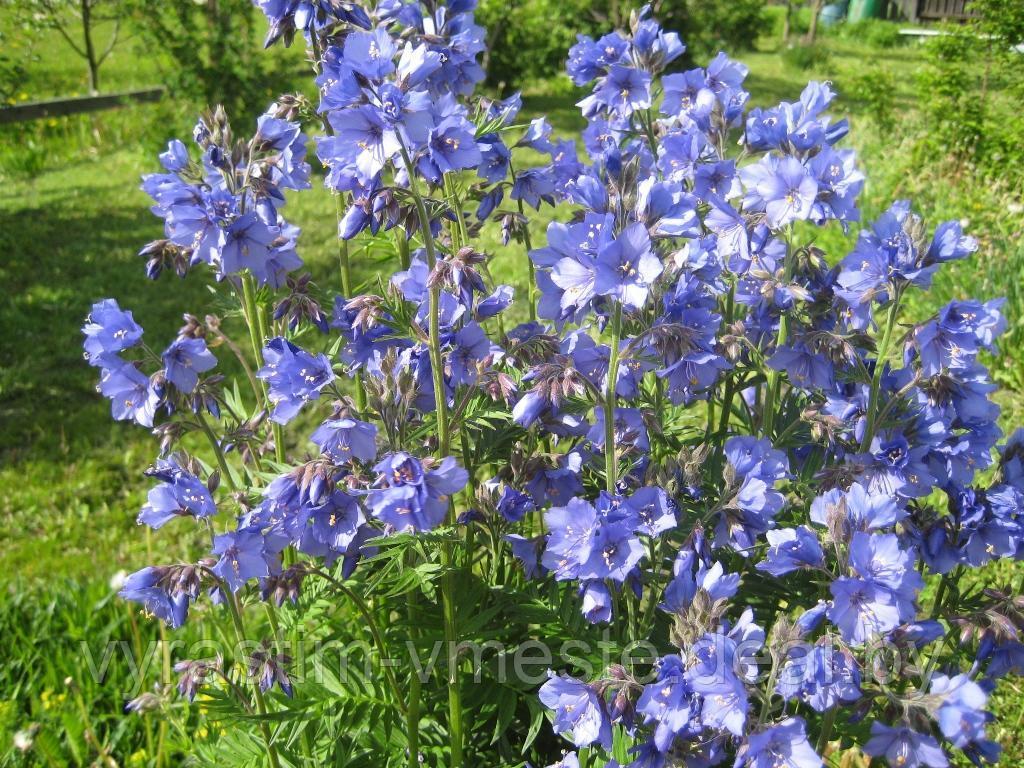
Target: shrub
(874, 89)
(806, 57)
(874, 32)
(701, 486)
(213, 49)
(971, 88)
(529, 38)
(712, 27)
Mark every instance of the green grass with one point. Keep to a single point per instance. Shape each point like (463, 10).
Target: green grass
(71, 222)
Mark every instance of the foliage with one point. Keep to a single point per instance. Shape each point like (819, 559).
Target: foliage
(528, 38)
(806, 57)
(709, 28)
(968, 65)
(12, 71)
(874, 89)
(210, 51)
(875, 32)
(78, 22)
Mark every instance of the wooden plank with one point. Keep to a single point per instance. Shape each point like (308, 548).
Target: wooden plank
(36, 110)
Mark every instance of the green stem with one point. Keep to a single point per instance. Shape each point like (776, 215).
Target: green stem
(261, 704)
(403, 248)
(257, 336)
(345, 266)
(434, 307)
(443, 450)
(876, 379)
(343, 260)
(412, 714)
(378, 639)
(774, 376)
(610, 463)
(769, 691)
(531, 287)
(459, 230)
(826, 729)
(218, 452)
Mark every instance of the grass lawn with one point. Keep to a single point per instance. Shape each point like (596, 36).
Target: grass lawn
(71, 222)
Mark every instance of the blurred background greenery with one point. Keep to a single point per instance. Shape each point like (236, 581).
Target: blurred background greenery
(935, 121)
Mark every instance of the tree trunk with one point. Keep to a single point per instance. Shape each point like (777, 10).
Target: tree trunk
(90, 49)
(812, 31)
(787, 22)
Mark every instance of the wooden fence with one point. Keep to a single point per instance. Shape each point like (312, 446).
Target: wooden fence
(930, 10)
(35, 110)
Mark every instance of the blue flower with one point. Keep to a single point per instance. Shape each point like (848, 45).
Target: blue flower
(623, 91)
(613, 552)
(805, 368)
(790, 549)
(651, 511)
(335, 524)
(669, 702)
(712, 672)
(823, 676)
(533, 186)
(862, 609)
(858, 509)
(571, 536)
(345, 439)
(588, 59)
(756, 468)
(899, 467)
(108, 330)
(961, 715)
(370, 54)
(579, 711)
(184, 360)
(364, 140)
(953, 339)
(514, 505)
(782, 744)
(243, 556)
(293, 376)
(783, 189)
(628, 428)
(246, 244)
(689, 576)
(161, 592)
(596, 601)
(556, 485)
(887, 256)
(904, 748)
(179, 494)
(627, 268)
(494, 158)
(527, 552)
(132, 396)
(568, 268)
(450, 147)
(410, 495)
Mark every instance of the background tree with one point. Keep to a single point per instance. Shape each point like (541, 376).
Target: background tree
(77, 22)
(216, 51)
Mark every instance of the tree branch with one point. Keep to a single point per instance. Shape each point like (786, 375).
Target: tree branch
(113, 41)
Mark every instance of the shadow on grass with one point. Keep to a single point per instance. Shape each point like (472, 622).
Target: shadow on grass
(65, 248)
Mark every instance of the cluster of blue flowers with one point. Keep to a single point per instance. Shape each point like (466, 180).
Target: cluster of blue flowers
(223, 210)
(842, 453)
(134, 396)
